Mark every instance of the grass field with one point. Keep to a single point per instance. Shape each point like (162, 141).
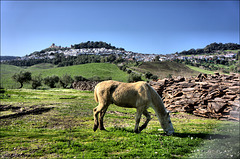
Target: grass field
(103, 70)
(166, 68)
(60, 123)
(200, 70)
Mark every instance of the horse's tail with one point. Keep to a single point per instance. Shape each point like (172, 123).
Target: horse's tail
(95, 94)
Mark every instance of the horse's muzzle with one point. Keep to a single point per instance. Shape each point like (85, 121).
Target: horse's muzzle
(169, 132)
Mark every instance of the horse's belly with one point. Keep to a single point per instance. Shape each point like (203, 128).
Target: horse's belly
(124, 102)
(126, 105)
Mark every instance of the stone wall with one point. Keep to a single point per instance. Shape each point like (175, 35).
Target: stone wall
(211, 96)
(85, 85)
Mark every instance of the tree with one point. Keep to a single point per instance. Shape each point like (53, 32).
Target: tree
(22, 77)
(65, 80)
(134, 78)
(154, 77)
(51, 81)
(79, 78)
(36, 81)
(129, 71)
(148, 75)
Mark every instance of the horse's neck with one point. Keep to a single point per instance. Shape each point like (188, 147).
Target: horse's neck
(157, 104)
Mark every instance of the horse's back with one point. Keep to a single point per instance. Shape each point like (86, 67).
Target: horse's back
(122, 94)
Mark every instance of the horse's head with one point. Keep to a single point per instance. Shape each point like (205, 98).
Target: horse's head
(167, 124)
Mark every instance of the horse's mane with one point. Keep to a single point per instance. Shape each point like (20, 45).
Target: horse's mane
(157, 102)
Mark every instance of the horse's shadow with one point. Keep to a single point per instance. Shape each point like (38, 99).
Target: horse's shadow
(205, 136)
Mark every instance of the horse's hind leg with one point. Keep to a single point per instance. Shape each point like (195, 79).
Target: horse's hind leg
(101, 115)
(96, 111)
(148, 116)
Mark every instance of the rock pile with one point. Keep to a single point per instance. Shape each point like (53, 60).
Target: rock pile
(85, 85)
(212, 96)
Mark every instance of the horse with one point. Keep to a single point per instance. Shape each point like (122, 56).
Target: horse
(137, 95)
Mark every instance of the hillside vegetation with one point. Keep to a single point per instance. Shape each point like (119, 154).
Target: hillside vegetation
(165, 69)
(102, 70)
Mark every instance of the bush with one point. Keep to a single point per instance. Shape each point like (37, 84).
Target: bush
(36, 81)
(169, 76)
(154, 77)
(65, 80)
(51, 81)
(2, 94)
(134, 78)
(148, 75)
(129, 71)
(79, 78)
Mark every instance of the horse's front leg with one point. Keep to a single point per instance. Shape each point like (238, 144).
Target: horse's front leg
(148, 116)
(138, 118)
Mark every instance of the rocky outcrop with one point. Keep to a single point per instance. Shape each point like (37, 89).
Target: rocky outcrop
(212, 96)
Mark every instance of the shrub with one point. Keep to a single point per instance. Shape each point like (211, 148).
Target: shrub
(2, 94)
(169, 76)
(154, 77)
(79, 78)
(51, 81)
(129, 71)
(36, 81)
(65, 80)
(134, 78)
(148, 75)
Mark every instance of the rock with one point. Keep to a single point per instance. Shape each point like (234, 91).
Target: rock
(211, 96)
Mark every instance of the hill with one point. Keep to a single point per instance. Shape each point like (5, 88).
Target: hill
(5, 58)
(102, 70)
(165, 69)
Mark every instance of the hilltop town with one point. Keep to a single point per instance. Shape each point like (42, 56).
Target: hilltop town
(54, 50)
(127, 55)
(212, 57)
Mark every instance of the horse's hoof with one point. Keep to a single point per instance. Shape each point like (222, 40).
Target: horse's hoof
(137, 131)
(102, 128)
(95, 128)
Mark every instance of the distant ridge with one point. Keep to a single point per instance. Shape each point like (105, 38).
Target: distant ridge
(6, 58)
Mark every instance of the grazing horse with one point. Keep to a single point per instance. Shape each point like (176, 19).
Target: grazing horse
(137, 95)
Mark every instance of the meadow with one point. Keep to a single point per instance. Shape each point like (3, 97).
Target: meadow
(102, 70)
(165, 69)
(57, 123)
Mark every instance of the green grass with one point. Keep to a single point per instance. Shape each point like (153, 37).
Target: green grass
(103, 70)
(200, 70)
(66, 130)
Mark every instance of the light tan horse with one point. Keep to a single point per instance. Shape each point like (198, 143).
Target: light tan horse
(137, 95)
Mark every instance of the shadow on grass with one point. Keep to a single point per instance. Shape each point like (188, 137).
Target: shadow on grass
(205, 136)
(35, 111)
(115, 128)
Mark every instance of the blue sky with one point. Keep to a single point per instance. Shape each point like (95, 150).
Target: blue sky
(159, 27)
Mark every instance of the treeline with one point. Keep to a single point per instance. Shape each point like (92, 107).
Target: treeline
(211, 48)
(96, 44)
(64, 81)
(60, 60)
